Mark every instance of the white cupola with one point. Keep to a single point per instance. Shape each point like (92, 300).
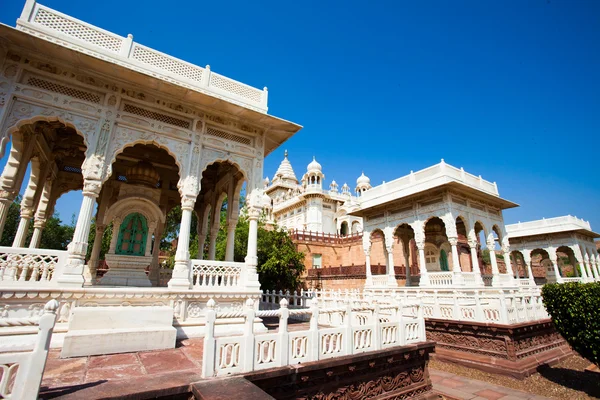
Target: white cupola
(333, 187)
(363, 183)
(346, 189)
(314, 175)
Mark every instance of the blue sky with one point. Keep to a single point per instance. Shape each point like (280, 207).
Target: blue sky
(506, 89)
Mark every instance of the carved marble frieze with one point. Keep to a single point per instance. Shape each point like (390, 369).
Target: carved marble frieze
(397, 374)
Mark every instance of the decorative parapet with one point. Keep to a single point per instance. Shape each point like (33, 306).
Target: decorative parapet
(424, 179)
(325, 238)
(64, 30)
(548, 225)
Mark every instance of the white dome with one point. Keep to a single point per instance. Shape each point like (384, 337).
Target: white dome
(266, 200)
(285, 169)
(333, 183)
(363, 180)
(314, 166)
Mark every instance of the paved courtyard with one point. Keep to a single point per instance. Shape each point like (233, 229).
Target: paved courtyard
(123, 374)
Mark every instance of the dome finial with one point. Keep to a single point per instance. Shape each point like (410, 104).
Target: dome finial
(285, 154)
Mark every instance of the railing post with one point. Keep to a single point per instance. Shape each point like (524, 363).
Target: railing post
(37, 362)
(348, 337)
(437, 311)
(401, 331)
(126, 46)
(284, 336)
(209, 350)
(421, 320)
(313, 331)
(377, 326)
(248, 339)
(479, 314)
(456, 306)
(503, 309)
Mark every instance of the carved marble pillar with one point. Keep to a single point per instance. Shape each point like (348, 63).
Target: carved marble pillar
(72, 275)
(367, 250)
(457, 278)
(36, 237)
(31, 199)
(254, 211)
(389, 247)
(588, 269)
(507, 261)
(14, 172)
(579, 260)
(527, 261)
(424, 281)
(115, 235)
(45, 204)
(201, 242)
(92, 265)
(23, 229)
(181, 278)
(554, 260)
(229, 250)
(406, 251)
(212, 244)
(154, 273)
(475, 261)
(491, 244)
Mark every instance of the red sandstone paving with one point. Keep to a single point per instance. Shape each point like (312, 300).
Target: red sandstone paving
(115, 372)
(166, 361)
(112, 360)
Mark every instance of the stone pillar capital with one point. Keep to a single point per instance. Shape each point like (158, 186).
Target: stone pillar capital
(187, 202)
(26, 212)
(473, 243)
(453, 241)
(254, 213)
(232, 223)
(92, 188)
(39, 223)
(7, 195)
(420, 244)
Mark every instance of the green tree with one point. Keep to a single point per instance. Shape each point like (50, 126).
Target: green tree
(575, 311)
(12, 222)
(56, 235)
(280, 264)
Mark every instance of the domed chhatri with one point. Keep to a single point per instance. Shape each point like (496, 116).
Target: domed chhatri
(363, 183)
(363, 180)
(314, 166)
(142, 173)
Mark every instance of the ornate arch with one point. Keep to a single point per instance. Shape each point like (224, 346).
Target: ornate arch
(126, 206)
(24, 113)
(211, 156)
(129, 137)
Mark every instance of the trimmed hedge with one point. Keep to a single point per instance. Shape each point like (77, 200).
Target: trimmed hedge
(575, 311)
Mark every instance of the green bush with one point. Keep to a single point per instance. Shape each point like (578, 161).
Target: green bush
(575, 311)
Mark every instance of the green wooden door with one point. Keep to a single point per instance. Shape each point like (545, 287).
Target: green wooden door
(132, 235)
(443, 260)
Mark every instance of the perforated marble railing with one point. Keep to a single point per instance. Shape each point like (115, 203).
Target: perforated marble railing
(70, 32)
(476, 305)
(357, 328)
(25, 266)
(222, 275)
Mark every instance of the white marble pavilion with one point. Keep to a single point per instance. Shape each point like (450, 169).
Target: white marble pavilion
(140, 132)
